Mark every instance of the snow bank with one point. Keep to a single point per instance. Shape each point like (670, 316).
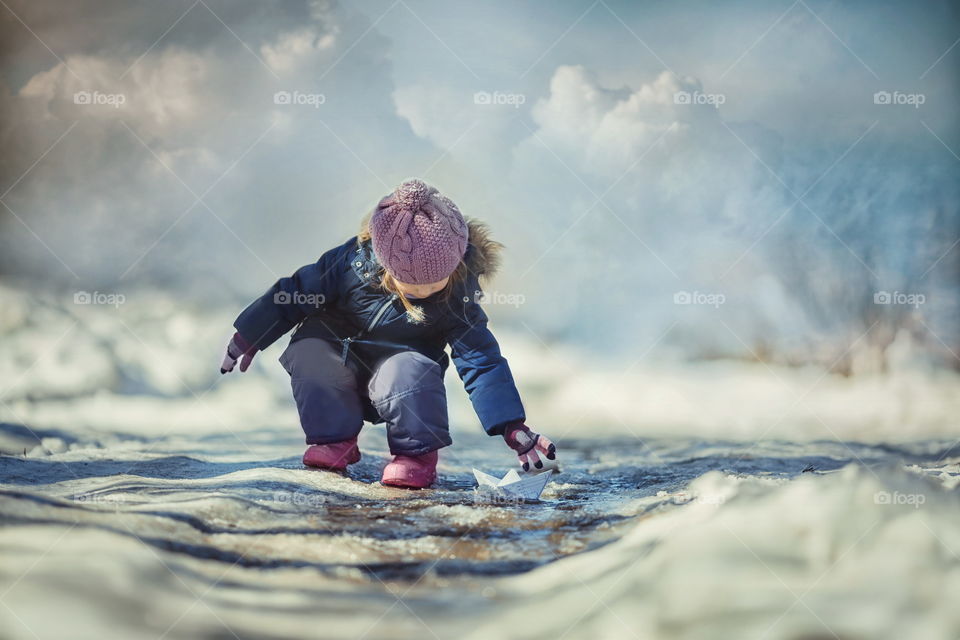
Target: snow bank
(153, 361)
(731, 399)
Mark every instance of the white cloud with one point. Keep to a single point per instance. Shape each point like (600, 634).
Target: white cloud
(166, 93)
(100, 199)
(293, 49)
(602, 129)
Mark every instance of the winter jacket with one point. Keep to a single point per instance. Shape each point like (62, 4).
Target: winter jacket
(338, 298)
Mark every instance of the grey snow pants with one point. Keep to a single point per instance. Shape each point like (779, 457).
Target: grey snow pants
(405, 388)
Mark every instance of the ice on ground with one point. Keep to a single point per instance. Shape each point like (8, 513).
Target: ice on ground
(663, 539)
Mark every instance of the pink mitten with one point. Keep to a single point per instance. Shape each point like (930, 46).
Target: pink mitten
(238, 347)
(525, 442)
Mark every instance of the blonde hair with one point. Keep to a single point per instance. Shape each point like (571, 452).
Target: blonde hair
(388, 283)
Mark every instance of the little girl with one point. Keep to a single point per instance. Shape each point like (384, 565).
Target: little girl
(373, 319)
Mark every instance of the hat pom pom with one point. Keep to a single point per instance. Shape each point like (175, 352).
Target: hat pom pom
(413, 194)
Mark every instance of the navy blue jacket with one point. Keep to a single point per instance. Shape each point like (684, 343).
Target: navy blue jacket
(338, 298)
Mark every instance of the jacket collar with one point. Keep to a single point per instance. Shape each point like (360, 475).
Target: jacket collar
(363, 262)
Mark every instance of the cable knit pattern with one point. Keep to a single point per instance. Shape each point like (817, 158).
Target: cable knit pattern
(418, 234)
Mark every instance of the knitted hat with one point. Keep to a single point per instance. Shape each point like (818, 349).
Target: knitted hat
(419, 235)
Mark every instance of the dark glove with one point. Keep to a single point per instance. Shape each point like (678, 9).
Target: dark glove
(238, 347)
(526, 443)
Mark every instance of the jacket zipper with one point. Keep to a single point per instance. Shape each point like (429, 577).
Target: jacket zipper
(376, 318)
(380, 312)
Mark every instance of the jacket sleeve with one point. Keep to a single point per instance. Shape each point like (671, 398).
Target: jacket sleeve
(290, 300)
(485, 373)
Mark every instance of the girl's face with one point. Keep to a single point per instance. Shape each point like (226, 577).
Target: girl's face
(421, 290)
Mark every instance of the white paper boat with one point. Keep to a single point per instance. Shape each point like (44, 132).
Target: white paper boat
(513, 485)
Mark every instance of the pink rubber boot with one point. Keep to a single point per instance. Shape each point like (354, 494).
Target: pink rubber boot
(335, 456)
(411, 472)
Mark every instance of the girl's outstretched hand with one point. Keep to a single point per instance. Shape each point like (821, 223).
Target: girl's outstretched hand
(238, 347)
(526, 443)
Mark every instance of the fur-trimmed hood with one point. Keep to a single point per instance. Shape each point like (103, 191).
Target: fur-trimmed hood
(483, 252)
